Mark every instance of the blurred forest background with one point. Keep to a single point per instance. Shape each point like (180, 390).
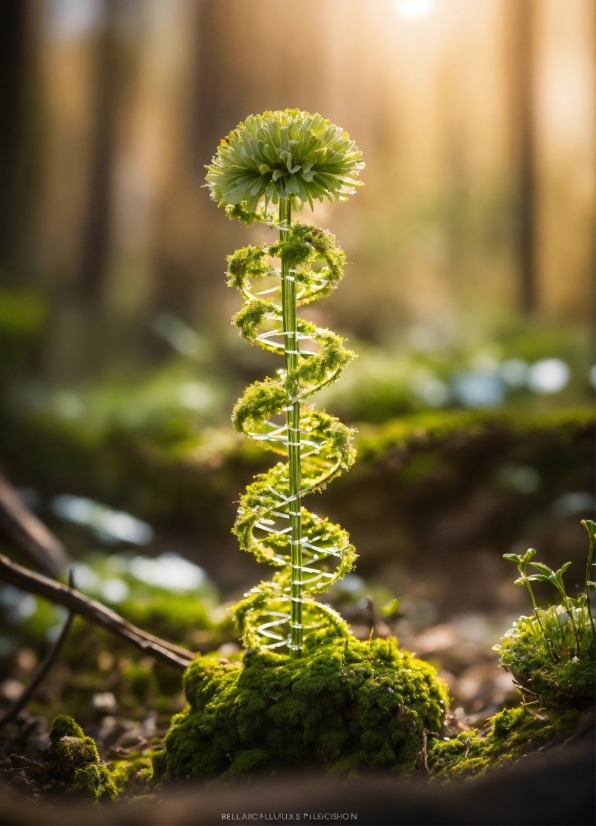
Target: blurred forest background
(469, 293)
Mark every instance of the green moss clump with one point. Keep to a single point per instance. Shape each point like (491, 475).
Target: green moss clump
(542, 654)
(64, 726)
(344, 705)
(74, 759)
(133, 776)
(512, 733)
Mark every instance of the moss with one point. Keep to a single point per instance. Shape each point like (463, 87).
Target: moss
(63, 726)
(511, 733)
(74, 759)
(558, 673)
(132, 776)
(94, 781)
(435, 429)
(344, 706)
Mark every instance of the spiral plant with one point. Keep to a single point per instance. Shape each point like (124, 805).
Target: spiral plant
(288, 159)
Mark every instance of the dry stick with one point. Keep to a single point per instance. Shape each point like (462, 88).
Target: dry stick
(93, 611)
(29, 534)
(43, 670)
(422, 756)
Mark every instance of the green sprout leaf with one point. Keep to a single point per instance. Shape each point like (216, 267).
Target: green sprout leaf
(548, 572)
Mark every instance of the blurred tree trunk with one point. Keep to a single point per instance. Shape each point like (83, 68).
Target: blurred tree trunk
(13, 47)
(522, 24)
(96, 240)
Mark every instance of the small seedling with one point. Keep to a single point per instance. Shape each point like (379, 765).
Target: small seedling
(590, 526)
(288, 159)
(561, 670)
(522, 560)
(556, 578)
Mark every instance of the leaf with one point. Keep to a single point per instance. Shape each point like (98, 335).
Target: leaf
(539, 578)
(543, 568)
(559, 577)
(512, 558)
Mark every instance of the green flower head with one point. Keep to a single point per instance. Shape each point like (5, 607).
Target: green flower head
(283, 155)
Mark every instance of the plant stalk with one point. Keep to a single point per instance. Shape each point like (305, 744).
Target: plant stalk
(569, 608)
(288, 301)
(589, 525)
(535, 606)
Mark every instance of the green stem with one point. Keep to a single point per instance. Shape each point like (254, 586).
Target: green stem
(535, 606)
(569, 608)
(288, 301)
(589, 576)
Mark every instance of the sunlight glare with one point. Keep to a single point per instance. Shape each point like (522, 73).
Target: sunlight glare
(414, 9)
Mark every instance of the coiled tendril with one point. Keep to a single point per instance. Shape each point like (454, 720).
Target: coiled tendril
(309, 552)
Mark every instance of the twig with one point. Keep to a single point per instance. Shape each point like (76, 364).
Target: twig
(422, 756)
(44, 668)
(28, 533)
(93, 611)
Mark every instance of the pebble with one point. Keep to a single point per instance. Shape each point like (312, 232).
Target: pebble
(104, 702)
(26, 659)
(228, 648)
(130, 739)
(11, 689)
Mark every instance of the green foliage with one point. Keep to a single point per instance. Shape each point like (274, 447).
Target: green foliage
(281, 155)
(345, 705)
(512, 733)
(396, 378)
(21, 312)
(171, 615)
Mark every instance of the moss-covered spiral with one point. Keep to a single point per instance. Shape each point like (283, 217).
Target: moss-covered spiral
(305, 157)
(262, 526)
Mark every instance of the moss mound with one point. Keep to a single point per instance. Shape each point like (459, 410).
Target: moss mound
(561, 672)
(512, 733)
(74, 759)
(343, 706)
(73, 766)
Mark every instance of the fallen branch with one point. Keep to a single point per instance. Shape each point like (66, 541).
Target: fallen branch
(43, 670)
(95, 612)
(28, 533)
